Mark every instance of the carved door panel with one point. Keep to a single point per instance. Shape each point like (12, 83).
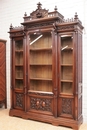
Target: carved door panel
(41, 104)
(65, 107)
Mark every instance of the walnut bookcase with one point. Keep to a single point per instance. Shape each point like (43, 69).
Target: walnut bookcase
(46, 68)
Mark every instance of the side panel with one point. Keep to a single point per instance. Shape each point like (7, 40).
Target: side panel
(3, 73)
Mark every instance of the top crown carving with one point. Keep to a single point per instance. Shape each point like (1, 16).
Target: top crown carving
(39, 12)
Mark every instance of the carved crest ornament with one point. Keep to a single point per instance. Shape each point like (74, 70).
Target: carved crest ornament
(47, 19)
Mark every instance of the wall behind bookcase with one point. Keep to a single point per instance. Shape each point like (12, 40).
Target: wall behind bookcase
(13, 12)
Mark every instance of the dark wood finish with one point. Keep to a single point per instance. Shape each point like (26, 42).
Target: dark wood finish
(46, 73)
(3, 100)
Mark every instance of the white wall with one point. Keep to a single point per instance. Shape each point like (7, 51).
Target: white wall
(12, 11)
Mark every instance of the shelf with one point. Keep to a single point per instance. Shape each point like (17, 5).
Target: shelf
(67, 80)
(18, 65)
(18, 51)
(41, 64)
(63, 94)
(67, 65)
(40, 79)
(41, 49)
(19, 78)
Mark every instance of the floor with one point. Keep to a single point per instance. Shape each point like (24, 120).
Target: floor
(13, 123)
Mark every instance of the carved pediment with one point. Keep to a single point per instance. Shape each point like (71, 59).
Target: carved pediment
(42, 15)
(39, 12)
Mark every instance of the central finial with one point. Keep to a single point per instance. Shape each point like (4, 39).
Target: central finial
(39, 5)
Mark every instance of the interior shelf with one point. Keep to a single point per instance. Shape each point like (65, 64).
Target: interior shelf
(21, 65)
(66, 64)
(19, 78)
(18, 51)
(41, 79)
(40, 49)
(66, 80)
(41, 64)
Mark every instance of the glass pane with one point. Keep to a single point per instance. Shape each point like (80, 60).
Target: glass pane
(41, 57)
(66, 87)
(66, 50)
(40, 40)
(19, 83)
(19, 64)
(19, 58)
(66, 73)
(19, 72)
(41, 62)
(19, 45)
(41, 85)
(66, 64)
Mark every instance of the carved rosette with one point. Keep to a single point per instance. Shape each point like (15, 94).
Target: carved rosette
(19, 100)
(66, 106)
(41, 104)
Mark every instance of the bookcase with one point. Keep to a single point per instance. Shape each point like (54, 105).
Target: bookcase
(46, 68)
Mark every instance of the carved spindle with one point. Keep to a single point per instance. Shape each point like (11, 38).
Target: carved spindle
(76, 17)
(25, 14)
(11, 27)
(72, 20)
(55, 8)
(39, 5)
(68, 20)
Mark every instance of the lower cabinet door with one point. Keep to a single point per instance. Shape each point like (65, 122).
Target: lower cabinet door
(65, 107)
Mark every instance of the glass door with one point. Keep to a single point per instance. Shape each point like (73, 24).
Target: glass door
(66, 64)
(40, 62)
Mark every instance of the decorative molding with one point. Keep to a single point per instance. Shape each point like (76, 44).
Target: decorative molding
(65, 27)
(19, 100)
(41, 104)
(40, 25)
(17, 34)
(66, 106)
